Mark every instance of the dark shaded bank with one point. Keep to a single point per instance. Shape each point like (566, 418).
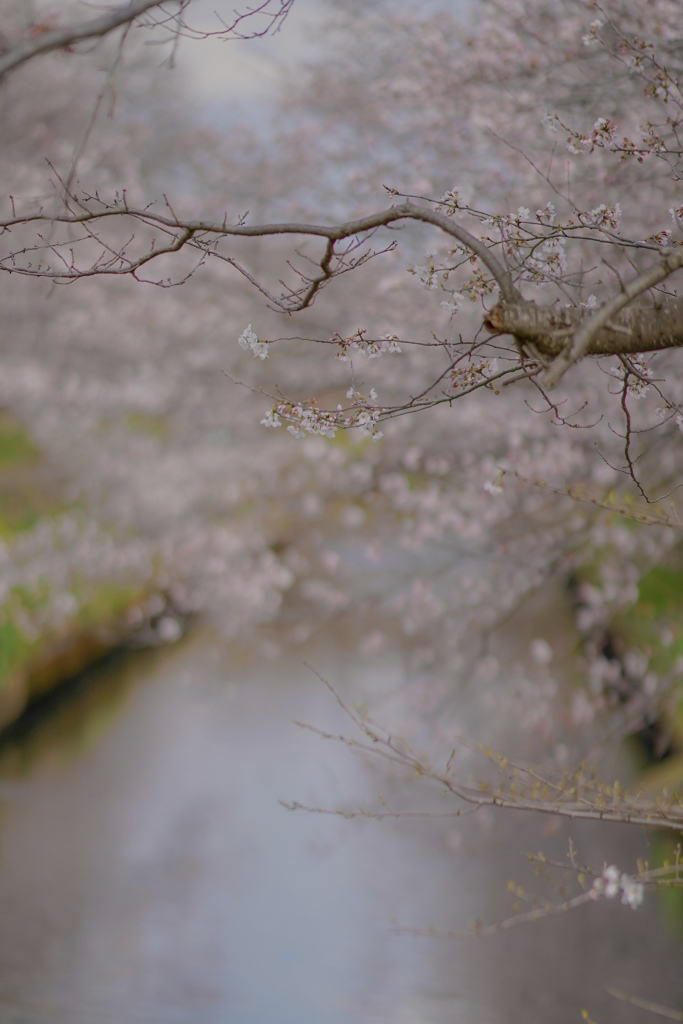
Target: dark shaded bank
(62, 668)
(65, 604)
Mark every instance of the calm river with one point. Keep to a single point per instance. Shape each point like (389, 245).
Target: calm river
(149, 874)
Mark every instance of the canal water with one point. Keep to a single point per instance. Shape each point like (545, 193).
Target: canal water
(148, 872)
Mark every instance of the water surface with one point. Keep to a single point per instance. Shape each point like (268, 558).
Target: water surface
(148, 872)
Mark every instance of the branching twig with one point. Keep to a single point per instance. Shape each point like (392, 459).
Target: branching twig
(578, 796)
(645, 1004)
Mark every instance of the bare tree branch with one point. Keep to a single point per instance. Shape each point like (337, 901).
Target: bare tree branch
(555, 334)
(44, 40)
(579, 795)
(645, 1004)
(59, 38)
(339, 232)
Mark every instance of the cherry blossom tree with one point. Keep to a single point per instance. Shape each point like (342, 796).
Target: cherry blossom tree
(472, 238)
(132, 419)
(540, 418)
(518, 425)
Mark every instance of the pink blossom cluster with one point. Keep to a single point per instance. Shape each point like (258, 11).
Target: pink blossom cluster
(612, 883)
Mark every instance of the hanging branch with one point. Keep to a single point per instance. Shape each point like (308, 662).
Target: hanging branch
(61, 38)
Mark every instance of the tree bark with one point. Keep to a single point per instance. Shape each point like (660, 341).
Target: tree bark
(643, 328)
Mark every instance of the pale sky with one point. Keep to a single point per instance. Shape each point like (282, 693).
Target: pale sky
(244, 71)
(247, 72)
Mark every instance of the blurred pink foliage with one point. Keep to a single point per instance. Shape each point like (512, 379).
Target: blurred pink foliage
(536, 157)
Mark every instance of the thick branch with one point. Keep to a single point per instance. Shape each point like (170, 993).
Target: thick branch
(59, 38)
(634, 329)
(581, 341)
